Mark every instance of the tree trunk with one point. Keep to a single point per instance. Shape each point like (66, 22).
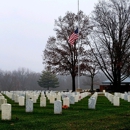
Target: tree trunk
(119, 80)
(92, 83)
(73, 83)
(117, 83)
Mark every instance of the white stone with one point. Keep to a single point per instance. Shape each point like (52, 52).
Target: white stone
(110, 98)
(42, 95)
(125, 96)
(58, 97)
(52, 99)
(91, 103)
(66, 101)
(42, 101)
(104, 91)
(34, 98)
(117, 94)
(48, 96)
(27, 96)
(76, 98)
(21, 101)
(64, 96)
(116, 101)
(128, 98)
(57, 107)
(72, 100)
(122, 96)
(5, 101)
(29, 105)
(6, 111)
(1, 97)
(16, 97)
(80, 97)
(2, 101)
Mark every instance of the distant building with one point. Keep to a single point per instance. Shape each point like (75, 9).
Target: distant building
(107, 85)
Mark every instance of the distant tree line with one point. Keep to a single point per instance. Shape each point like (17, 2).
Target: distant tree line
(24, 79)
(21, 79)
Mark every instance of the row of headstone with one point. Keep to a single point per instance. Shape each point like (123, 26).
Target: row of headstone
(124, 96)
(92, 101)
(73, 97)
(56, 98)
(68, 98)
(21, 96)
(114, 99)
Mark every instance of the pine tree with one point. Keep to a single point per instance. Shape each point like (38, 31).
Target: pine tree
(48, 80)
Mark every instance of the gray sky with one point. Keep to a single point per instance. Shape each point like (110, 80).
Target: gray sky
(25, 26)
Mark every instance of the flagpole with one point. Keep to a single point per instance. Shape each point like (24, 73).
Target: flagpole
(78, 49)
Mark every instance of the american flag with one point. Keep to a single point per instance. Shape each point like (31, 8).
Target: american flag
(73, 37)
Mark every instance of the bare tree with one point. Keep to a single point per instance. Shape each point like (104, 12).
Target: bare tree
(89, 66)
(111, 38)
(59, 54)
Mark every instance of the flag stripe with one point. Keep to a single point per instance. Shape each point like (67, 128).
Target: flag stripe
(73, 37)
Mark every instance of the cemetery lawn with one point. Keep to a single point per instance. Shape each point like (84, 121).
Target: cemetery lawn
(77, 117)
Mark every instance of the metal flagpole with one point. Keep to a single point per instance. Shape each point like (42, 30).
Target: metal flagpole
(78, 49)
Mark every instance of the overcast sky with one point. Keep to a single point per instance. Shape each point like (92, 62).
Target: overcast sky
(25, 26)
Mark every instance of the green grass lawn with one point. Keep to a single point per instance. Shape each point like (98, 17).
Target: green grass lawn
(77, 117)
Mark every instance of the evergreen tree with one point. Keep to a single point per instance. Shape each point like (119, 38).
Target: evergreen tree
(48, 80)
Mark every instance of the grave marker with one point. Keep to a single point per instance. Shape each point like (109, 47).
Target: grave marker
(57, 107)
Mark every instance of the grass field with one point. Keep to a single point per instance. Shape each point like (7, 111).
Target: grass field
(77, 117)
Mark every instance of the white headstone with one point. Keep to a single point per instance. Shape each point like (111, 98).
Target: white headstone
(58, 97)
(42, 101)
(79, 97)
(125, 96)
(122, 96)
(128, 98)
(52, 99)
(72, 100)
(104, 91)
(76, 98)
(91, 103)
(16, 98)
(34, 98)
(116, 101)
(21, 101)
(57, 107)
(66, 101)
(29, 105)
(6, 111)
(2, 101)
(64, 96)
(1, 97)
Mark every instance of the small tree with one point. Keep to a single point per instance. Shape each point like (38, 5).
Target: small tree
(89, 66)
(48, 80)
